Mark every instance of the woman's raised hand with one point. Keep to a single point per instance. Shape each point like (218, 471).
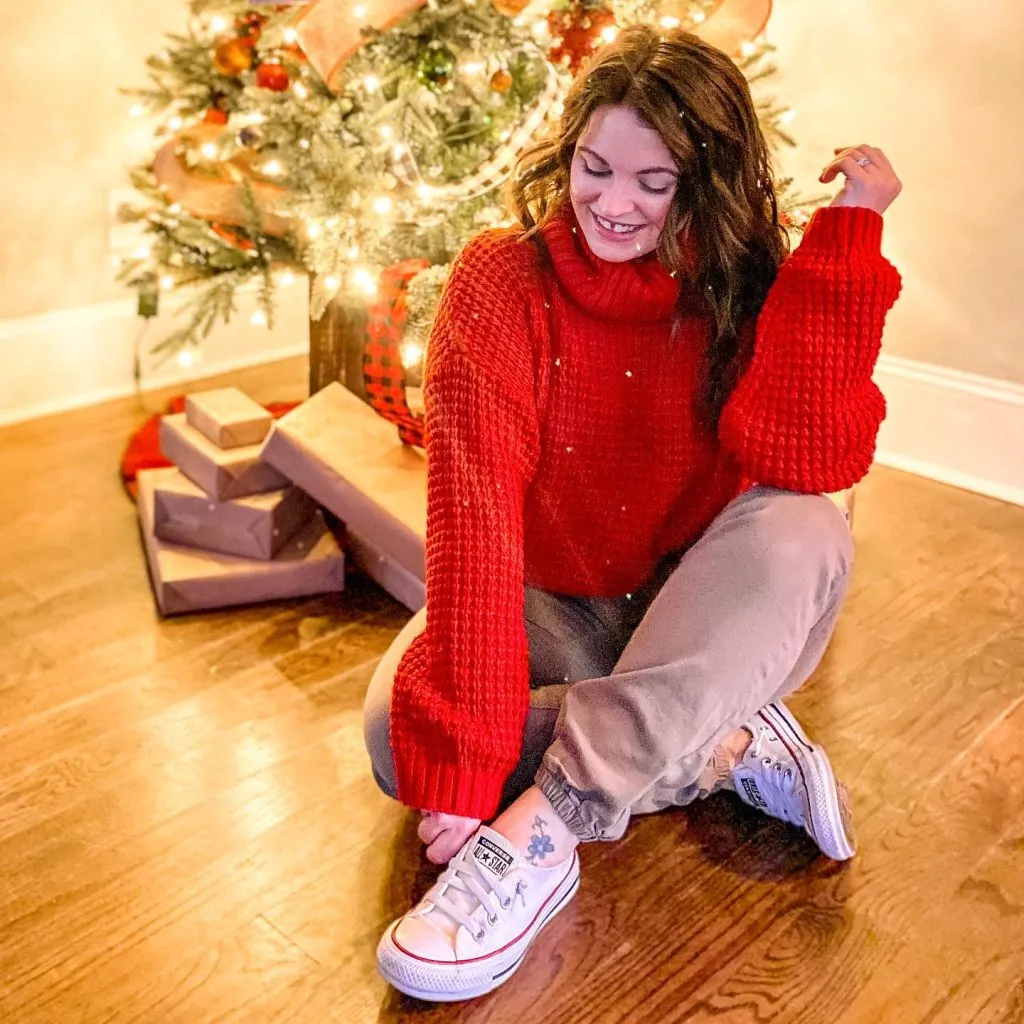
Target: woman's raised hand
(870, 180)
(445, 834)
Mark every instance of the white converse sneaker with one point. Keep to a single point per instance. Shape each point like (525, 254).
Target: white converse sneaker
(472, 929)
(787, 776)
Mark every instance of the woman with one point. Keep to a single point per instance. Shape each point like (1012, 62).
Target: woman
(633, 407)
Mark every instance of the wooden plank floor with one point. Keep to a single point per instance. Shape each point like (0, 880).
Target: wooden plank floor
(189, 831)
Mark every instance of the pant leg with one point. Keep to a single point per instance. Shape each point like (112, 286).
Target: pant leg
(568, 638)
(743, 619)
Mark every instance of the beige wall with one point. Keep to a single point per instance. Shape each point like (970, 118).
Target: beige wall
(67, 140)
(936, 83)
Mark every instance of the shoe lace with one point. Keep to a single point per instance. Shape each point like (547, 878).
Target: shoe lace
(463, 876)
(780, 792)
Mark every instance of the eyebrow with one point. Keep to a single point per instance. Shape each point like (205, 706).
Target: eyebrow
(647, 170)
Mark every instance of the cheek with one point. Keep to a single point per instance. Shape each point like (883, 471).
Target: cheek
(582, 188)
(656, 209)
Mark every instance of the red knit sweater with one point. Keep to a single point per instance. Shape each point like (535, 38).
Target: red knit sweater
(566, 454)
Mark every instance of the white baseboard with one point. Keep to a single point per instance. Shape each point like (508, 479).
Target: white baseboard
(959, 428)
(955, 427)
(76, 357)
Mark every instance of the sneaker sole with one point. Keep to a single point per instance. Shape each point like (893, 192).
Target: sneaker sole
(831, 824)
(468, 979)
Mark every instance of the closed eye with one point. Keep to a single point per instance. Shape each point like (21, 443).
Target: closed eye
(594, 173)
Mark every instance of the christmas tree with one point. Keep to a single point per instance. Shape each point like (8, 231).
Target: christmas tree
(343, 140)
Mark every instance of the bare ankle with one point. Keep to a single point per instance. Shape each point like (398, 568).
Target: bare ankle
(532, 825)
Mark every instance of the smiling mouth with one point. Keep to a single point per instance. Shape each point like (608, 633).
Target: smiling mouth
(619, 229)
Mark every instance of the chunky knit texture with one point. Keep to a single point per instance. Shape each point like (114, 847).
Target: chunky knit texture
(566, 453)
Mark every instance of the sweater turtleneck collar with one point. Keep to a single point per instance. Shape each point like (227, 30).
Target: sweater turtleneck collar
(636, 291)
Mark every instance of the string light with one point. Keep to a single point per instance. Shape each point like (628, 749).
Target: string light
(333, 222)
(137, 110)
(698, 17)
(382, 205)
(748, 49)
(174, 208)
(303, 143)
(474, 67)
(258, 319)
(291, 37)
(272, 168)
(143, 252)
(371, 83)
(331, 283)
(787, 116)
(175, 123)
(167, 282)
(187, 358)
(670, 22)
(359, 11)
(218, 24)
(313, 230)
(285, 279)
(363, 279)
(300, 90)
(209, 150)
(387, 131)
(412, 354)
(608, 34)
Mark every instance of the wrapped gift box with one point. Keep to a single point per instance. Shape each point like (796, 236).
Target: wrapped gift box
(254, 527)
(188, 579)
(227, 417)
(401, 584)
(222, 473)
(342, 453)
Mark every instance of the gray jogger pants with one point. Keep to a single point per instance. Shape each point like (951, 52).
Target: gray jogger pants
(630, 696)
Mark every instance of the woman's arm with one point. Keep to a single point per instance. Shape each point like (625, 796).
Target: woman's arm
(462, 692)
(806, 413)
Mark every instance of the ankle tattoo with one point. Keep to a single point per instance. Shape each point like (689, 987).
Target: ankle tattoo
(540, 844)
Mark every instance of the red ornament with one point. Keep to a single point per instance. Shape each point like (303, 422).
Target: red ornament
(250, 26)
(273, 77)
(232, 237)
(215, 116)
(578, 33)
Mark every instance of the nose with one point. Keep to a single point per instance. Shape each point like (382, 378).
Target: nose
(615, 200)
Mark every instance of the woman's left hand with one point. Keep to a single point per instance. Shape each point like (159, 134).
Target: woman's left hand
(870, 180)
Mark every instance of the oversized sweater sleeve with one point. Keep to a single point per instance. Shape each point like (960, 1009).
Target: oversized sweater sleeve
(805, 415)
(461, 693)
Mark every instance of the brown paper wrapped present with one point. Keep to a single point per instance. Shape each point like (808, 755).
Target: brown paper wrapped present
(188, 580)
(222, 473)
(227, 417)
(254, 527)
(342, 453)
(401, 584)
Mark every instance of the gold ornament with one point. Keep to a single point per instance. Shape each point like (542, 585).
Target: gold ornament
(501, 81)
(232, 57)
(510, 8)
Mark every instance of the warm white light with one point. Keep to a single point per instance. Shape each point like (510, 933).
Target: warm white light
(142, 252)
(474, 67)
(787, 116)
(300, 90)
(669, 22)
(258, 319)
(272, 168)
(353, 253)
(398, 150)
(363, 279)
(387, 131)
(175, 123)
(382, 205)
(412, 354)
(286, 278)
(748, 49)
(291, 36)
(333, 222)
(167, 282)
(698, 17)
(174, 208)
(608, 34)
(540, 27)
(137, 110)
(186, 358)
(371, 83)
(359, 11)
(424, 192)
(313, 229)
(209, 150)
(331, 283)
(303, 143)
(218, 24)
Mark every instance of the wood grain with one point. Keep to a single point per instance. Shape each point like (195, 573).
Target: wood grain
(189, 831)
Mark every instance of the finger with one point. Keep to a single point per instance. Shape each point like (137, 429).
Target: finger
(429, 830)
(848, 166)
(444, 847)
(878, 158)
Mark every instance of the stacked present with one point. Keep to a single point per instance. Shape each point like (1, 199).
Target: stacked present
(224, 527)
(236, 520)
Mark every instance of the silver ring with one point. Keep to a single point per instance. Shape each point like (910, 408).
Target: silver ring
(863, 161)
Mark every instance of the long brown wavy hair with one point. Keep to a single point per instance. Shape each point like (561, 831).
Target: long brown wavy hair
(698, 101)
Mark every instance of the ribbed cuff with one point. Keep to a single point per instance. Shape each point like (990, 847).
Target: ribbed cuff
(844, 227)
(429, 785)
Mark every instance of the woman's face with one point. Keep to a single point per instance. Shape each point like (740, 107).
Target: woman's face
(622, 181)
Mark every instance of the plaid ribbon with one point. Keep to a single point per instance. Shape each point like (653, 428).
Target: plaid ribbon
(383, 372)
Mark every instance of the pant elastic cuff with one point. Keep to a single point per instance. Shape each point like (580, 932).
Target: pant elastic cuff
(553, 786)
